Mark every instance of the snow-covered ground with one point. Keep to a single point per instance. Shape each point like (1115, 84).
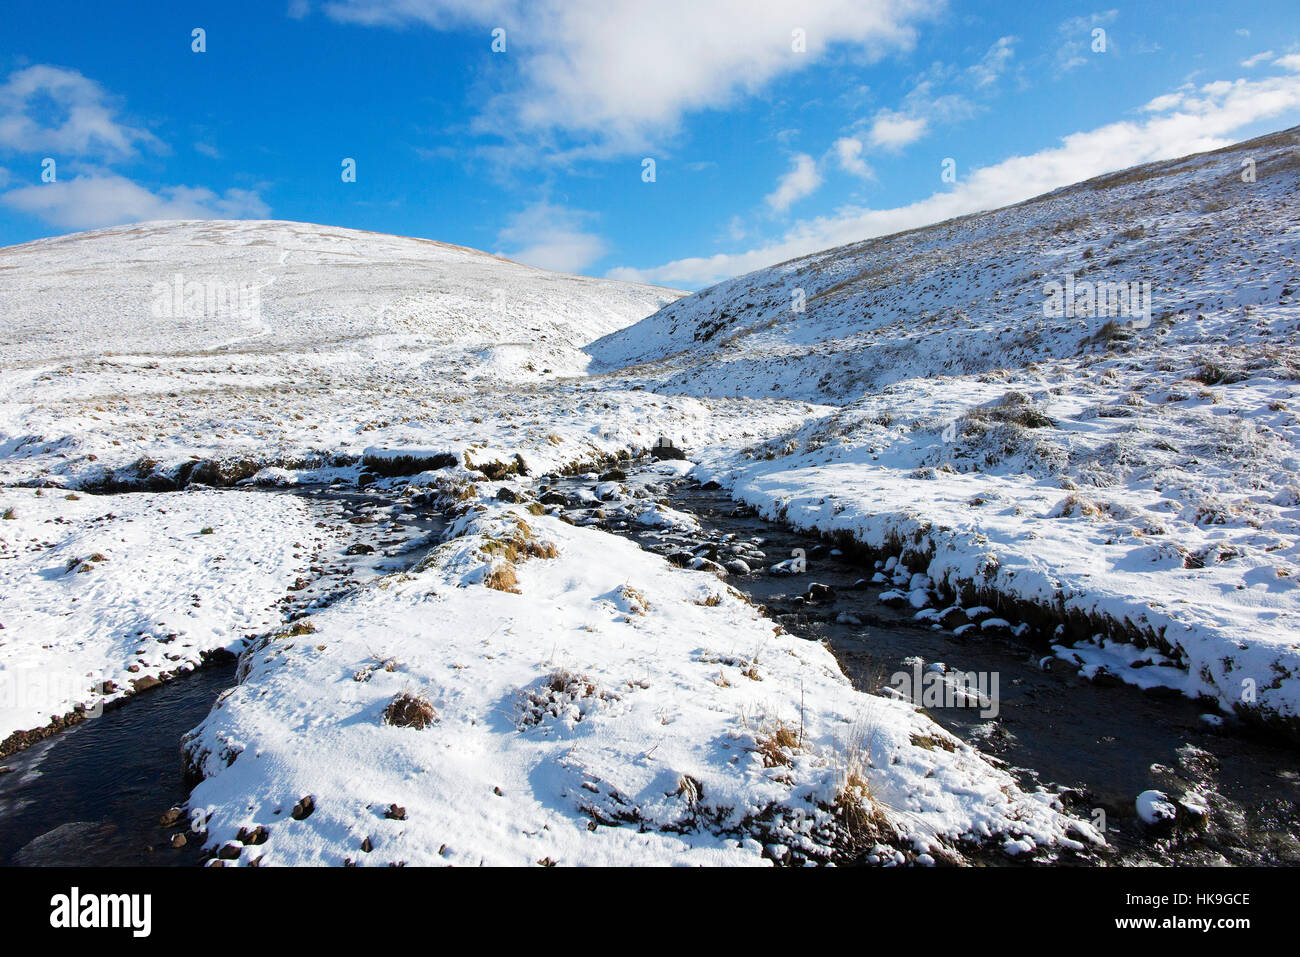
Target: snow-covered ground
(103, 595)
(588, 703)
(1125, 487)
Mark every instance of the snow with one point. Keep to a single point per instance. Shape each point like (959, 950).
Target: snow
(559, 738)
(119, 589)
(1154, 807)
(1138, 479)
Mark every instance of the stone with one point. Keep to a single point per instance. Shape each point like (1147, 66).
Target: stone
(255, 836)
(820, 592)
(953, 617)
(892, 599)
(171, 817)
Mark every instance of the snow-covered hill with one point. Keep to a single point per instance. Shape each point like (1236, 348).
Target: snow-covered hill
(1133, 472)
(967, 296)
(302, 286)
(144, 347)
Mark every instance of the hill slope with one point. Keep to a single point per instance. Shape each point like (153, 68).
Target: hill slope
(97, 293)
(1132, 473)
(130, 351)
(967, 296)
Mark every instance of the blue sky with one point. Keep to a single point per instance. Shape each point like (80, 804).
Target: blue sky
(762, 150)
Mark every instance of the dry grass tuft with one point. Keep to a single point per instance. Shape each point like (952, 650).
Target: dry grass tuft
(1075, 504)
(637, 603)
(929, 742)
(519, 544)
(501, 576)
(563, 693)
(861, 817)
(409, 711)
(1014, 408)
(777, 745)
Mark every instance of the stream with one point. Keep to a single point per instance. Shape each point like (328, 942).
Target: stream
(92, 795)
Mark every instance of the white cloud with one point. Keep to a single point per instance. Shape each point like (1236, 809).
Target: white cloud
(1188, 123)
(994, 62)
(1077, 46)
(848, 151)
(51, 110)
(927, 105)
(894, 130)
(107, 199)
(1167, 101)
(207, 149)
(47, 109)
(617, 74)
(551, 237)
(1257, 59)
(801, 180)
(1289, 62)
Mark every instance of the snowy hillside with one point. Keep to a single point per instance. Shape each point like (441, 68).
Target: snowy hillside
(1133, 475)
(316, 288)
(144, 347)
(967, 296)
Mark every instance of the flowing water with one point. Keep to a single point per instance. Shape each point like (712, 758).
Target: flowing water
(93, 794)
